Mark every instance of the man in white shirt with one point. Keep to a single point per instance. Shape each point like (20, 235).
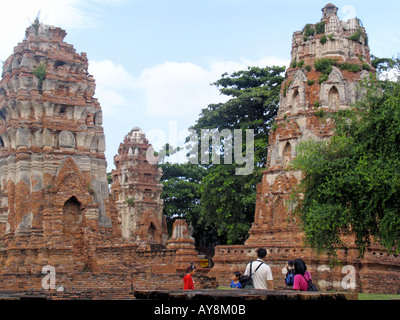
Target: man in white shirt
(262, 278)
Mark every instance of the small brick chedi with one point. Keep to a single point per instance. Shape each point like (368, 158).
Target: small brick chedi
(136, 190)
(308, 91)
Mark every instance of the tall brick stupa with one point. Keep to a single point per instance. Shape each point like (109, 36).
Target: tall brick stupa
(328, 60)
(53, 179)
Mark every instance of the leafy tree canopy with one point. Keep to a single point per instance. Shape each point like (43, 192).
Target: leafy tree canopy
(227, 199)
(220, 204)
(181, 191)
(253, 105)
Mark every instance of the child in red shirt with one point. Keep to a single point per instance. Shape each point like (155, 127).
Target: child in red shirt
(188, 279)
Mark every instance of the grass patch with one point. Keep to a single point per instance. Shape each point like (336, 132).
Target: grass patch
(375, 296)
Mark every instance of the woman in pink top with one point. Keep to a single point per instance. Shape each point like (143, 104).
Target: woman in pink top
(301, 275)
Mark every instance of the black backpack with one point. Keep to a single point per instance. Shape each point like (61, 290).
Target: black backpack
(311, 285)
(247, 281)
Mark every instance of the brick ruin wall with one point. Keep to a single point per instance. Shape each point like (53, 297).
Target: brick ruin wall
(149, 270)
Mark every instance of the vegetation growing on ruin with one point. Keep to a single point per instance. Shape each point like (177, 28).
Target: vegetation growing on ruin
(130, 201)
(320, 27)
(40, 72)
(309, 30)
(356, 37)
(350, 66)
(325, 66)
(323, 39)
(36, 25)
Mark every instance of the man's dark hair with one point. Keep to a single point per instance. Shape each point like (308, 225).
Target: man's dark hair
(261, 253)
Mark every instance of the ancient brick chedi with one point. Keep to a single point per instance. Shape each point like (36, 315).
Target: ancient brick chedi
(136, 189)
(53, 176)
(329, 59)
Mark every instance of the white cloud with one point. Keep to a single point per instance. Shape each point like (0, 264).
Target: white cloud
(173, 89)
(179, 89)
(67, 14)
(111, 75)
(19, 14)
(176, 89)
(112, 81)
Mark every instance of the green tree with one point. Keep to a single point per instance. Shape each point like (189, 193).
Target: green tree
(253, 105)
(228, 203)
(182, 199)
(351, 183)
(181, 191)
(227, 199)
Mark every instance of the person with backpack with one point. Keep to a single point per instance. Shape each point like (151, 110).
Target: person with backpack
(288, 271)
(302, 278)
(259, 272)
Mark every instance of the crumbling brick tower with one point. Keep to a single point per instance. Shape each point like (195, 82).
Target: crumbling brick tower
(136, 189)
(329, 59)
(53, 180)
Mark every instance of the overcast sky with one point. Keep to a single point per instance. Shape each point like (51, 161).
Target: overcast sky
(154, 60)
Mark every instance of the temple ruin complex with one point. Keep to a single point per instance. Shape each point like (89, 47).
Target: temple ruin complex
(58, 210)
